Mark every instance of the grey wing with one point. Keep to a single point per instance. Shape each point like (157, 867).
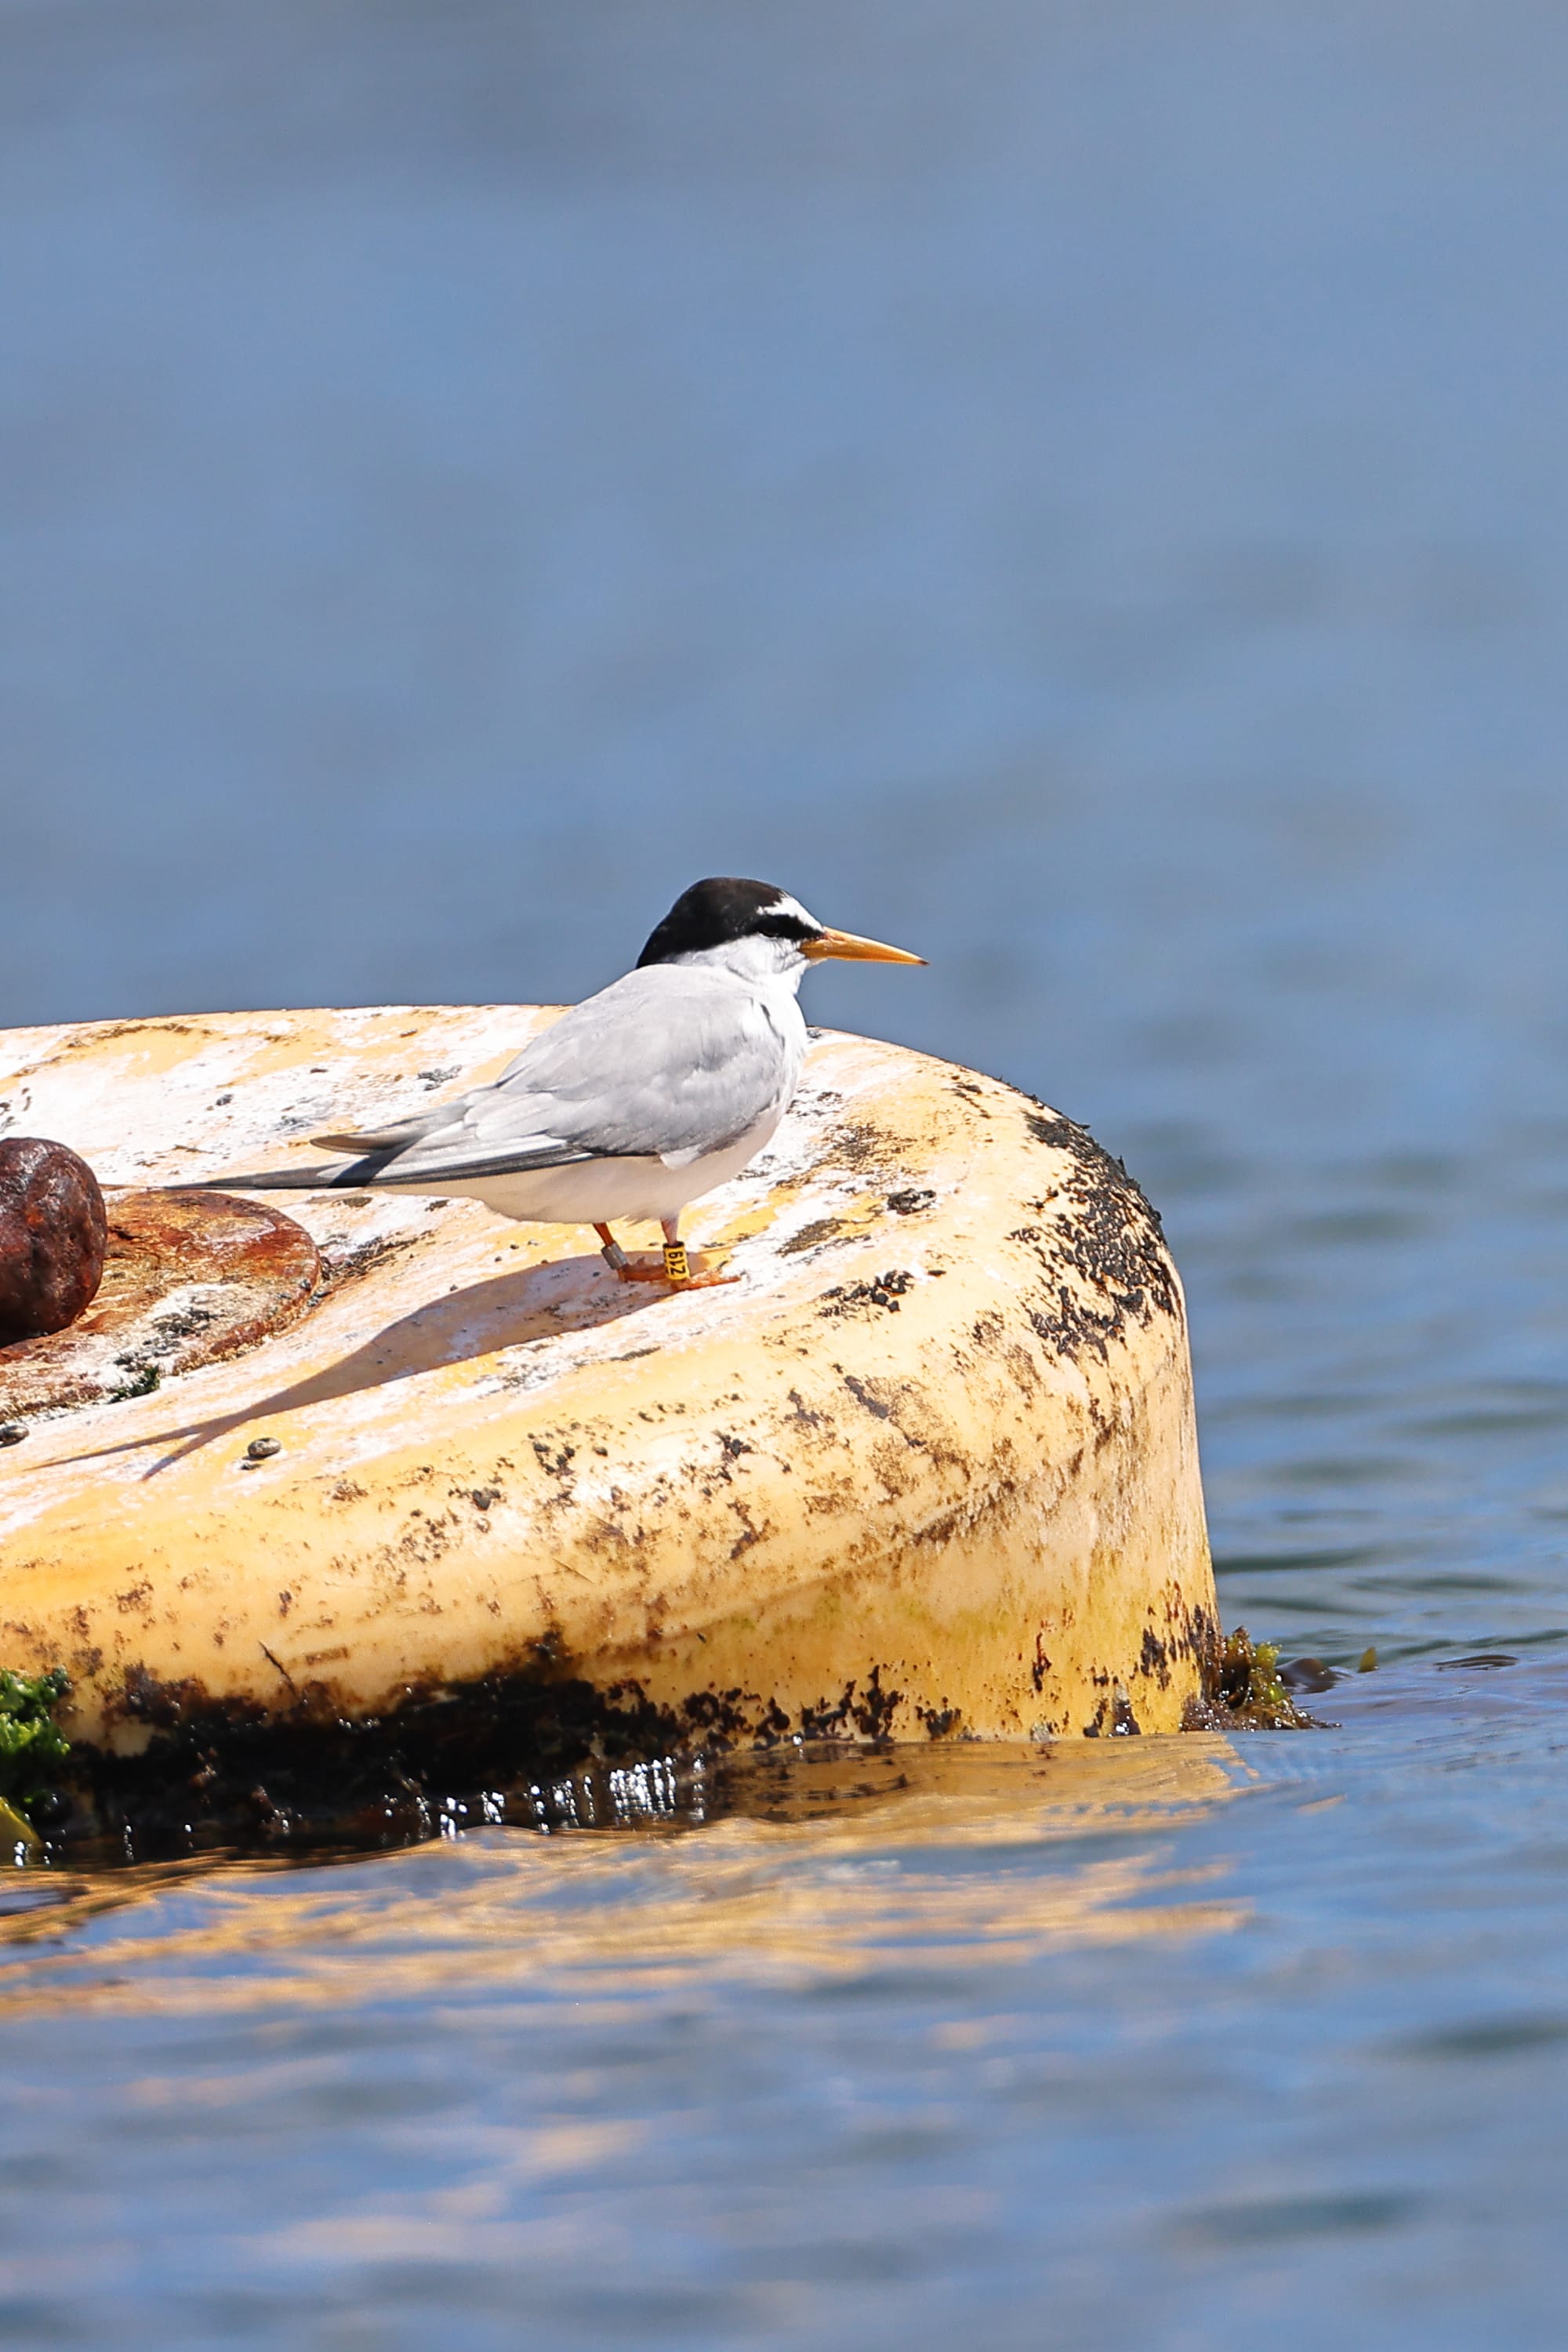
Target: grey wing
(668, 1062)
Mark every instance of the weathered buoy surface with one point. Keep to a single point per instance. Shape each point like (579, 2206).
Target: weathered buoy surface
(927, 1468)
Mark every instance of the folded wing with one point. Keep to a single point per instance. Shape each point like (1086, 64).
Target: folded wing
(670, 1062)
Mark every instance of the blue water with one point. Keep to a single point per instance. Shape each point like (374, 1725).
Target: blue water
(1080, 490)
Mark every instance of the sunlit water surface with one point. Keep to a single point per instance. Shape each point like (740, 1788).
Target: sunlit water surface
(1080, 489)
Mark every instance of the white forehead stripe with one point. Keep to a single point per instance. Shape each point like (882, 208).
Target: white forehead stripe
(786, 905)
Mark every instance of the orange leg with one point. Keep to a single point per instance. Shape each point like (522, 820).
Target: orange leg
(615, 1256)
(677, 1265)
(629, 1269)
(675, 1268)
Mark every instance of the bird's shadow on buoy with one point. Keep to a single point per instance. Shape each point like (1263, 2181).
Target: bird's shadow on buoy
(510, 1310)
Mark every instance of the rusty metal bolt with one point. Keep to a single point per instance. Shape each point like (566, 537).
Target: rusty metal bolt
(53, 1235)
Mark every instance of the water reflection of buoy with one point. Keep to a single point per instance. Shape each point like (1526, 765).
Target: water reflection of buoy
(928, 1467)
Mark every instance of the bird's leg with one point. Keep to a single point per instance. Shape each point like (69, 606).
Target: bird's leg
(678, 1269)
(613, 1256)
(677, 1264)
(675, 1267)
(628, 1269)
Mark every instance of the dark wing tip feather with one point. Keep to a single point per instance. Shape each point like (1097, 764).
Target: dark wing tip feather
(282, 1179)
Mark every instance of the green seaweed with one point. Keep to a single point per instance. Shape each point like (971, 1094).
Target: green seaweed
(18, 1831)
(1250, 1690)
(33, 1747)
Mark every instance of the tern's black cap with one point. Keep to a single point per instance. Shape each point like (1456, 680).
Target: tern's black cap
(725, 908)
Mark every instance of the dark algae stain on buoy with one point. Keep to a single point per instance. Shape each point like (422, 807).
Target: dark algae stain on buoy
(225, 1774)
(1111, 1245)
(53, 1237)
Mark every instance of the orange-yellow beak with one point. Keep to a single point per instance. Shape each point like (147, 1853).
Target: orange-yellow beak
(851, 950)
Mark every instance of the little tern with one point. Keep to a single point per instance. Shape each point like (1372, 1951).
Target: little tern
(637, 1101)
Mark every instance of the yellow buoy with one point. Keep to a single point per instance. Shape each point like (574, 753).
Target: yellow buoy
(928, 1467)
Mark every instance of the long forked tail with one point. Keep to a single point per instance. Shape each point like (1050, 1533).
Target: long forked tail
(324, 1176)
(360, 1161)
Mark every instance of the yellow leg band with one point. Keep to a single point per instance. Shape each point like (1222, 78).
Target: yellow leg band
(676, 1265)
